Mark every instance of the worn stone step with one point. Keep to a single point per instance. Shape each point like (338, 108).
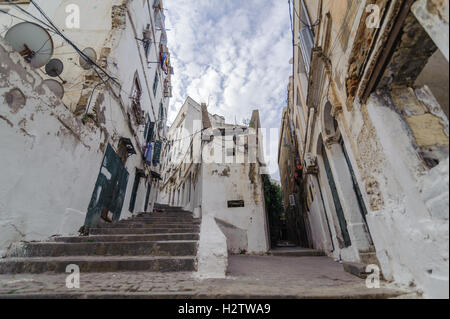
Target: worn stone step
(148, 225)
(369, 258)
(157, 248)
(127, 238)
(296, 252)
(97, 264)
(359, 269)
(171, 215)
(157, 206)
(162, 219)
(140, 231)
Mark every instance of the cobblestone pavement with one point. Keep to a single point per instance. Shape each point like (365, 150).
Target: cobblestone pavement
(248, 277)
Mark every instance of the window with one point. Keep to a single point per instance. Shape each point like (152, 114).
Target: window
(147, 40)
(155, 83)
(149, 129)
(161, 110)
(136, 94)
(306, 37)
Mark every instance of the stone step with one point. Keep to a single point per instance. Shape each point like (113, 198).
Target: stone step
(358, 270)
(97, 264)
(127, 238)
(296, 252)
(157, 248)
(159, 218)
(149, 225)
(164, 206)
(141, 231)
(157, 223)
(171, 215)
(369, 258)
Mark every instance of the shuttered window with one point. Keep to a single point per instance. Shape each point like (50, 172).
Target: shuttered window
(306, 37)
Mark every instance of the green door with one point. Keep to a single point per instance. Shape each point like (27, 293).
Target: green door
(110, 188)
(336, 200)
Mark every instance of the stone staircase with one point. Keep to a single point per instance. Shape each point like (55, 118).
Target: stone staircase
(156, 242)
(368, 257)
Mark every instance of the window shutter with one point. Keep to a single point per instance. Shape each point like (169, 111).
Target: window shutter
(149, 135)
(306, 40)
(306, 37)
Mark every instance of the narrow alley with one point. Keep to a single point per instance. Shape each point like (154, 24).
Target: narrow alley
(165, 149)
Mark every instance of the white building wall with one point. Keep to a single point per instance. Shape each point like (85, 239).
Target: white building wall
(247, 225)
(53, 161)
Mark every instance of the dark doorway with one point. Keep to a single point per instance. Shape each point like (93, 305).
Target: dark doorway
(110, 189)
(147, 196)
(137, 179)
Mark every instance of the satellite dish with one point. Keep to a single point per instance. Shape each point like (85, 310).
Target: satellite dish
(90, 52)
(55, 87)
(32, 41)
(54, 68)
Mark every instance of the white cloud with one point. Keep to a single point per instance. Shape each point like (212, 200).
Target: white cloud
(234, 54)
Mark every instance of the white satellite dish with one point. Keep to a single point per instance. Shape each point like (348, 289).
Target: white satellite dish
(55, 87)
(90, 52)
(32, 41)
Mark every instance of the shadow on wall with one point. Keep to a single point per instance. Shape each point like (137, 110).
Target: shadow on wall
(237, 242)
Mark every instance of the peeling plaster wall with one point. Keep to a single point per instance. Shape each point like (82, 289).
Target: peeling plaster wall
(411, 230)
(48, 159)
(218, 188)
(394, 139)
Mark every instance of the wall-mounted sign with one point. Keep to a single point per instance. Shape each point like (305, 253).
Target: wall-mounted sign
(235, 203)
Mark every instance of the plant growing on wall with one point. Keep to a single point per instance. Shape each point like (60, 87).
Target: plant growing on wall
(274, 206)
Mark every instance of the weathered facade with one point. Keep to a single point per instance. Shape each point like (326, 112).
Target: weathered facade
(213, 169)
(369, 118)
(68, 161)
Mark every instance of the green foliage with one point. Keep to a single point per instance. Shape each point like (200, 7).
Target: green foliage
(273, 197)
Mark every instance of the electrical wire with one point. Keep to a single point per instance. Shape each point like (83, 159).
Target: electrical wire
(315, 24)
(54, 29)
(29, 14)
(86, 57)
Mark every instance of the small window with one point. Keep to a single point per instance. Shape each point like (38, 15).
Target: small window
(155, 83)
(136, 101)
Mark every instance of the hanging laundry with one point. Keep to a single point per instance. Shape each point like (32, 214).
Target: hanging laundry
(164, 58)
(160, 20)
(148, 153)
(163, 37)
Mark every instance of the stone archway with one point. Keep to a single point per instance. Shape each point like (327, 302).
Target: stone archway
(340, 188)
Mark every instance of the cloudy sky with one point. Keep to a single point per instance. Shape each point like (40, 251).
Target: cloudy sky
(233, 54)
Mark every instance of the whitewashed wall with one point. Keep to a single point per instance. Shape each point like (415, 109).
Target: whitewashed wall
(50, 160)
